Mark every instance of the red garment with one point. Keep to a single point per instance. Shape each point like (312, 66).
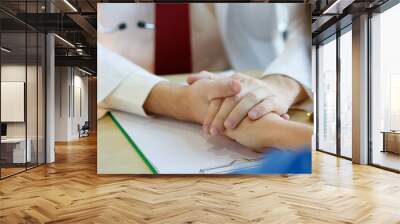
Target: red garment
(172, 35)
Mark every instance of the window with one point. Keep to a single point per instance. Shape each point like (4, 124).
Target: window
(22, 65)
(385, 89)
(394, 101)
(346, 94)
(327, 97)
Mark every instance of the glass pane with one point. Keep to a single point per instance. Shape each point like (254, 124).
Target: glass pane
(41, 90)
(386, 89)
(32, 96)
(32, 88)
(327, 97)
(41, 98)
(23, 82)
(346, 94)
(14, 153)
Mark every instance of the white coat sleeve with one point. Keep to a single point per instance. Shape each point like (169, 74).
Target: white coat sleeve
(295, 60)
(122, 85)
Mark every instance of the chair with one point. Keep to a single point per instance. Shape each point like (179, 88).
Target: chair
(84, 130)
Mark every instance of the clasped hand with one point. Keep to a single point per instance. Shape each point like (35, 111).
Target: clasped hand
(245, 109)
(254, 99)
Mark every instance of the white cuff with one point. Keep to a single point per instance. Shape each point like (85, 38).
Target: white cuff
(122, 85)
(132, 93)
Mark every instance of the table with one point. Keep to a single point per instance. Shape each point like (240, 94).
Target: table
(18, 151)
(115, 155)
(391, 141)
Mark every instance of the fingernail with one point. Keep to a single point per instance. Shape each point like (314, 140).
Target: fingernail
(253, 114)
(228, 124)
(214, 131)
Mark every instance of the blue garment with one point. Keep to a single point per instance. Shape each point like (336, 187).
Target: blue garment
(276, 161)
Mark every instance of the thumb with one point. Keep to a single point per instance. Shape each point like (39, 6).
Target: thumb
(202, 75)
(223, 88)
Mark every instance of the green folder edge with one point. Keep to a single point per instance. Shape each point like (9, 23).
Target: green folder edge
(133, 144)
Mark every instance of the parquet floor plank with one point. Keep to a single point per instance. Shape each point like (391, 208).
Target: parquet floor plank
(70, 191)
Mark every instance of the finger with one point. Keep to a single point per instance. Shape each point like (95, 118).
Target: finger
(211, 112)
(285, 116)
(217, 125)
(223, 88)
(202, 75)
(264, 107)
(243, 107)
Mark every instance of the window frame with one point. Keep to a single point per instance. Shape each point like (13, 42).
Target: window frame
(371, 14)
(334, 37)
(27, 29)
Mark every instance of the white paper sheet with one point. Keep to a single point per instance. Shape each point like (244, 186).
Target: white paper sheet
(175, 147)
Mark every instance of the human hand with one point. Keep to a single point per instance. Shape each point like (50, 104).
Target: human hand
(199, 95)
(271, 131)
(188, 103)
(256, 98)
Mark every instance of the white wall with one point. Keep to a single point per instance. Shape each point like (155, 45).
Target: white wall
(17, 73)
(71, 94)
(33, 127)
(80, 109)
(14, 73)
(61, 103)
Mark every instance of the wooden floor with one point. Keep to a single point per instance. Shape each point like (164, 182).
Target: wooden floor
(387, 159)
(5, 172)
(70, 191)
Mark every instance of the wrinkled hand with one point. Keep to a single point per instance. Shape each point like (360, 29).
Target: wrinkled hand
(255, 99)
(200, 94)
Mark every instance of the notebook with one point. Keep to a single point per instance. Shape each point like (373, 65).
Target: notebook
(169, 146)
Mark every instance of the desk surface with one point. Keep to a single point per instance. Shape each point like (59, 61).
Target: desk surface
(115, 155)
(13, 140)
(391, 132)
